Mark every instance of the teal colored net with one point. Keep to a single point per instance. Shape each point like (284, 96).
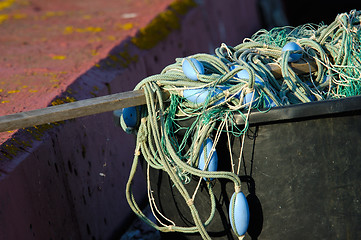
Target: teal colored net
(257, 74)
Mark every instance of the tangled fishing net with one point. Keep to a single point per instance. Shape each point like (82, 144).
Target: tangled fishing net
(211, 89)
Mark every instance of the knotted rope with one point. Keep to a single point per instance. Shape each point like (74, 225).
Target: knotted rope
(335, 49)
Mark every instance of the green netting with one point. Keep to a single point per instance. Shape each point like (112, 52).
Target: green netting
(335, 49)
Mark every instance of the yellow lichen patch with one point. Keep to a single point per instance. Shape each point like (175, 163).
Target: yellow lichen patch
(156, 30)
(5, 101)
(6, 4)
(89, 29)
(126, 26)
(95, 88)
(37, 132)
(122, 58)
(32, 91)
(58, 57)
(183, 6)
(162, 25)
(49, 14)
(1, 90)
(3, 17)
(23, 2)
(70, 91)
(94, 52)
(92, 29)
(114, 58)
(10, 150)
(19, 16)
(111, 38)
(14, 145)
(53, 74)
(127, 59)
(63, 100)
(20, 144)
(24, 86)
(13, 91)
(68, 30)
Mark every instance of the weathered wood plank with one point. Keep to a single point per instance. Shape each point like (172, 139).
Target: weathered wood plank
(72, 110)
(299, 68)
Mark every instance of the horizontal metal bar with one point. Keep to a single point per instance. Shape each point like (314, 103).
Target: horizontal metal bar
(303, 111)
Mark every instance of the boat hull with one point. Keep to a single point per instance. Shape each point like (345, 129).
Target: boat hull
(301, 177)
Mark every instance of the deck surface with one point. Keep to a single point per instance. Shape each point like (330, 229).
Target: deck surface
(46, 45)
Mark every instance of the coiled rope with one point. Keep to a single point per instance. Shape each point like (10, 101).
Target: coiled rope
(335, 49)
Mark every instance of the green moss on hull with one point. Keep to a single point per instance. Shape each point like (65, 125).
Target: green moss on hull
(12, 147)
(162, 25)
(182, 6)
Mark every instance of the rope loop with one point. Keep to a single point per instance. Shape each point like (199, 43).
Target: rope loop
(190, 202)
(176, 135)
(237, 188)
(170, 228)
(137, 153)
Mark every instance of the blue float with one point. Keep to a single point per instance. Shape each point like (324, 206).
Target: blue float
(269, 102)
(326, 78)
(233, 67)
(130, 116)
(200, 95)
(220, 89)
(243, 74)
(240, 213)
(292, 46)
(203, 156)
(312, 98)
(252, 96)
(248, 97)
(190, 71)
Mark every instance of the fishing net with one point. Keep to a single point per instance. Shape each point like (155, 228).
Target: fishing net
(210, 89)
